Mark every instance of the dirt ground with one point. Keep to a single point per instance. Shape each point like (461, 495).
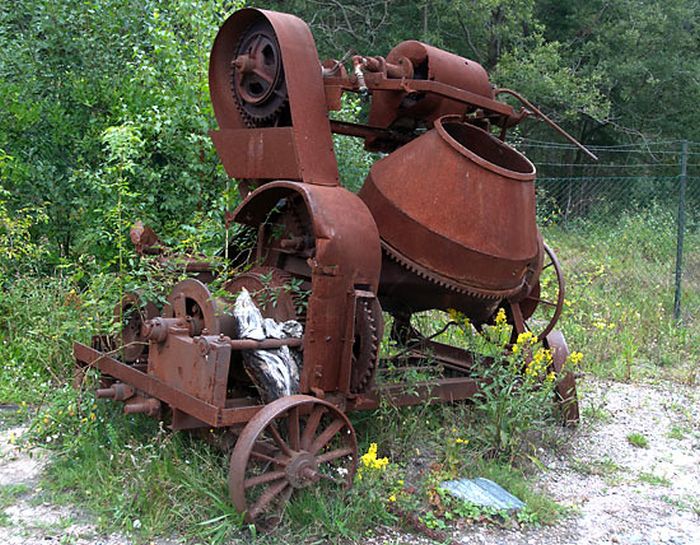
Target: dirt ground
(617, 493)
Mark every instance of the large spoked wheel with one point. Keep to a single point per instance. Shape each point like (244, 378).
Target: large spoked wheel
(542, 307)
(292, 443)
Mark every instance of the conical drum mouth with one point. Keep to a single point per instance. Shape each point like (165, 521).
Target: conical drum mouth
(484, 149)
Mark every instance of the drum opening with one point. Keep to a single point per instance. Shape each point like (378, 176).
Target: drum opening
(470, 140)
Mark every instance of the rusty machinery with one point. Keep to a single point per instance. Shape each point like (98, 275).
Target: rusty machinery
(445, 220)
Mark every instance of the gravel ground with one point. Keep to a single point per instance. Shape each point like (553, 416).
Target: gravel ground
(618, 493)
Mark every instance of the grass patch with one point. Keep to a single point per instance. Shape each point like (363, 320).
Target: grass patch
(9, 494)
(638, 440)
(619, 300)
(605, 467)
(136, 478)
(651, 478)
(596, 413)
(677, 432)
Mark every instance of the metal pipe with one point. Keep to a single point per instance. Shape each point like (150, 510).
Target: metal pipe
(267, 344)
(547, 120)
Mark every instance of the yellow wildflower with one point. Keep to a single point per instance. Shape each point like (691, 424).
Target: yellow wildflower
(460, 441)
(526, 338)
(370, 460)
(575, 358)
(501, 317)
(392, 498)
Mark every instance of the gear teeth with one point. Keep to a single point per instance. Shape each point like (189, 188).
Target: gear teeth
(393, 254)
(249, 120)
(368, 308)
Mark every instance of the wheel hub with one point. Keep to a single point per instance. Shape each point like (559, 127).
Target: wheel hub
(302, 471)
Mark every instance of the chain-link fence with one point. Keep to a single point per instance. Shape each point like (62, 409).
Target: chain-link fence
(627, 230)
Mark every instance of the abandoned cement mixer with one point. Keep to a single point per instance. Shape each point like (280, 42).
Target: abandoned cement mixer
(445, 220)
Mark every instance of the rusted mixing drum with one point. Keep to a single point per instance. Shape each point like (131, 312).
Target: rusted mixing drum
(456, 206)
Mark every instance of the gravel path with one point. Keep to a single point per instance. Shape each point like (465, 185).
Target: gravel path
(618, 493)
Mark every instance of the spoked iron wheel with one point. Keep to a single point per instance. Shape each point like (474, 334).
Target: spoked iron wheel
(292, 443)
(542, 307)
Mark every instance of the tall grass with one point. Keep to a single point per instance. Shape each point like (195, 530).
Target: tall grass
(620, 293)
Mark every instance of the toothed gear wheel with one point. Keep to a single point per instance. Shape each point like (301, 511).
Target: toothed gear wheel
(257, 77)
(369, 327)
(441, 280)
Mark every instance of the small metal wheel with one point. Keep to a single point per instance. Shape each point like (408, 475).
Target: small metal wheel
(542, 307)
(131, 313)
(292, 443)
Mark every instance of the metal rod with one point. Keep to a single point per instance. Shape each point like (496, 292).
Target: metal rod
(267, 344)
(683, 179)
(547, 120)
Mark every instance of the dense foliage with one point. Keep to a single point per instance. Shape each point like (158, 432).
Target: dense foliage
(106, 110)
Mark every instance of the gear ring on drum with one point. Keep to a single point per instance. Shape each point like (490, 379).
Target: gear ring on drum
(369, 327)
(257, 78)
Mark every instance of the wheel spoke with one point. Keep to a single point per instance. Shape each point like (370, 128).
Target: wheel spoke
(333, 455)
(264, 478)
(278, 439)
(293, 421)
(326, 435)
(548, 265)
(254, 46)
(311, 426)
(263, 75)
(265, 458)
(335, 480)
(266, 497)
(543, 301)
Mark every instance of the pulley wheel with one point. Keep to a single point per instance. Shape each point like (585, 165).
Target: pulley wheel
(257, 79)
(192, 301)
(131, 313)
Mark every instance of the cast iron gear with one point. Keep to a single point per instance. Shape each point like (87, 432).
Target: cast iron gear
(369, 327)
(257, 76)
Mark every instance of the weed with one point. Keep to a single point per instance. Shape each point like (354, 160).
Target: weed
(10, 492)
(651, 478)
(596, 413)
(637, 440)
(605, 467)
(677, 432)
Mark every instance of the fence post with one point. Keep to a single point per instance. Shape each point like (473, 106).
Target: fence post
(683, 180)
